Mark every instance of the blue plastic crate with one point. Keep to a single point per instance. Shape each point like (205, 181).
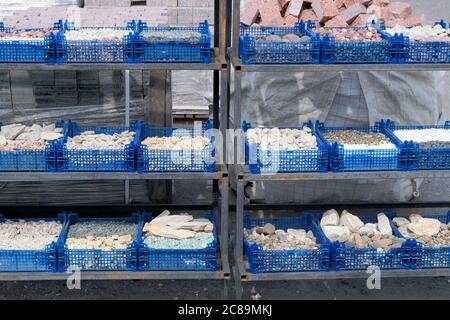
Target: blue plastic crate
(97, 259)
(31, 160)
(175, 160)
(422, 158)
(264, 161)
(342, 159)
(27, 51)
(94, 51)
(177, 259)
(262, 261)
(173, 50)
(425, 51)
(97, 160)
(348, 258)
(337, 52)
(263, 52)
(424, 257)
(32, 260)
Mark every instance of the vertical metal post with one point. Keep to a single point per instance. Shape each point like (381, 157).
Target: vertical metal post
(127, 123)
(224, 219)
(236, 25)
(237, 116)
(239, 239)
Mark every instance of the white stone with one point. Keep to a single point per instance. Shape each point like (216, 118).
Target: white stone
(299, 234)
(10, 132)
(425, 227)
(384, 225)
(415, 218)
(330, 218)
(352, 222)
(400, 221)
(368, 229)
(3, 141)
(337, 233)
(50, 136)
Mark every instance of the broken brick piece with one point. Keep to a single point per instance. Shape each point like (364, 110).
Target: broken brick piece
(270, 13)
(399, 10)
(414, 21)
(381, 3)
(351, 13)
(337, 21)
(250, 16)
(290, 20)
(324, 10)
(295, 7)
(308, 14)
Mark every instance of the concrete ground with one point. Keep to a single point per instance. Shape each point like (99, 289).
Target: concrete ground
(407, 288)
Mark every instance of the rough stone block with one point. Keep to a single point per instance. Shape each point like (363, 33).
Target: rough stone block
(352, 12)
(399, 10)
(295, 7)
(324, 10)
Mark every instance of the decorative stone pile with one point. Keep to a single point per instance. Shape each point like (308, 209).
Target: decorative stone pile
(28, 235)
(426, 138)
(269, 238)
(290, 37)
(349, 34)
(354, 139)
(419, 33)
(17, 136)
(96, 34)
(282, 139)
(350, 230)
(102, 235)
(176, 143)
(329, 13)
(24, 35)
(430, 232)
(178, 232)
(177, 35)
(89, 140)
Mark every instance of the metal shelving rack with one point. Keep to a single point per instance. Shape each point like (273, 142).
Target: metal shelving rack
(241, 176)
(219, 67)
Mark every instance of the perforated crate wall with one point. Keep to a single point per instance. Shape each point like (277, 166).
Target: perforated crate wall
(97, 160)
(151, 259)
(253, 51)
(344, 159)
(261, 260)
(271, 161)
(44, 260)
(27, 50)
(97, 259)
(173, 50)
(149, 160)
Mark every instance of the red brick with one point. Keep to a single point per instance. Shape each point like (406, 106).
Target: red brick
(249, 16)
(295, 7)
(290, 20)
(308, 14)
(324, 10)
(374, 10)
(351, 13)
(337, 21)
(414, 21)
(399, 10)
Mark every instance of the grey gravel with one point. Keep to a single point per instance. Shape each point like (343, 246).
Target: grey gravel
(102, 229)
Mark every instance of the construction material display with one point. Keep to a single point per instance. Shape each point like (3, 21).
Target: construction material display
(27, 46)
(175, 149)
(172, 44)
(95, 45)
(285, 245)
(363, 149)
(97, 149)
(29, 148)
(431, 232)
(429, 146)
(99, 244)
(29, 244)
(424, 44)
(285, 150)
(178, 242)
(275, 45)
(363, 241)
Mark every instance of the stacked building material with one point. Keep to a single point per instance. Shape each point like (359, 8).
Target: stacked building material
(334, 13)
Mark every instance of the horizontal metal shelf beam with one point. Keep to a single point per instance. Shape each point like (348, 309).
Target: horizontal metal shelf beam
(117, 275)
(217, 63)
(240, 67)
(84, 176)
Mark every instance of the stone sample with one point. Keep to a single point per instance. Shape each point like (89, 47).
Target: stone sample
(429, 232)
(337, 21)
(399, 10)
(180, 35)
(295, 7)
(292, 239)
(282, 139)
(352, 222)
(350, 34)
(324, 10)
(89, 140)
(353, 139)
(177, 143)
(384, 226)
(17, 136)
(182, 231)
(96, 34)
(352, 12)
(102, 235)
(426, 138)
(337, 233)
(330, 218)
(422, 33)
(28, 235)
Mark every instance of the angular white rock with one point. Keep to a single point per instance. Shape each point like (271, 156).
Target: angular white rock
(50, 136)
(337, 233)
(330, 218)
(425, 227)
(368, 229)
(400, 221)
(384, 225)
(10, 132)
(299, 234)
(352, 222)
